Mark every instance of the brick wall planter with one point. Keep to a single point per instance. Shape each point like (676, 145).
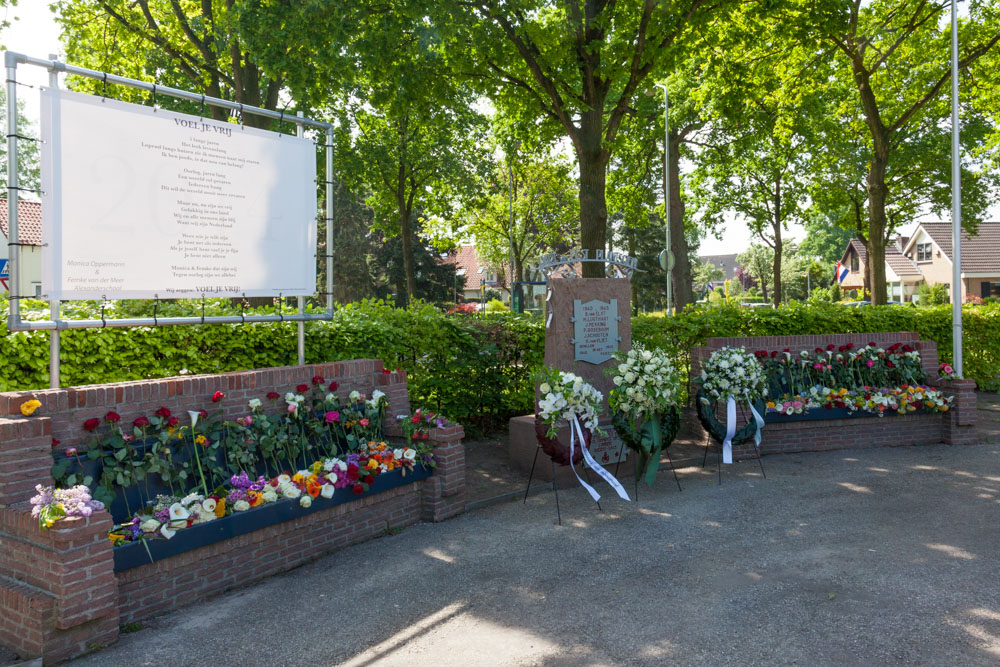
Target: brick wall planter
(135, 554)
(66, 589)
(821, 431)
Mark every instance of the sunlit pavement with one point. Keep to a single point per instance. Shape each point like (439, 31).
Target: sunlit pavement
(868, 556)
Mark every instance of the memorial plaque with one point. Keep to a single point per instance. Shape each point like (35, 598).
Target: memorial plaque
(595, 330)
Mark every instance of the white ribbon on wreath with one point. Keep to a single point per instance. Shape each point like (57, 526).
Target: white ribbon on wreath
(727, 444)
(576, 429)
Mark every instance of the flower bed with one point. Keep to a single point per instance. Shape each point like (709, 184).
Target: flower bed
(68, 587)
(818, 386)
(160, 477)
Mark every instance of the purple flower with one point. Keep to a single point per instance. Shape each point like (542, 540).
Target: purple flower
(237, 494)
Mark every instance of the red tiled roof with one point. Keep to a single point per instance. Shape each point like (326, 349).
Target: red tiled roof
(29, 221)
(980, 253)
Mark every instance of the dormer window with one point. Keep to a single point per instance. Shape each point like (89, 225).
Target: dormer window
(924, 252)
(855, 263)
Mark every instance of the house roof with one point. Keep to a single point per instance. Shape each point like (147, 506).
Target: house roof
(468, 263)
(29, 221)
(980, 253)
(898, 262)
(727, 263)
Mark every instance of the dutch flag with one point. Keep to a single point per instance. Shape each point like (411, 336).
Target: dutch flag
(842, 272)
(711, 286)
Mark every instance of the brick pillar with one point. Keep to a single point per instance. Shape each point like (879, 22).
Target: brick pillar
(960, 421)
(444, 493)
(58, 595)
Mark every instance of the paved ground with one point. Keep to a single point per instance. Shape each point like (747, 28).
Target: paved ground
(865, 557)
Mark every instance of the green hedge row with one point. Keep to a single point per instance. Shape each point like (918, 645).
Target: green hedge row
(475, 369)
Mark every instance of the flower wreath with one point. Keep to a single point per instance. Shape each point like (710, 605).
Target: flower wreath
(731, 375)
(565, 396)
(647, 387)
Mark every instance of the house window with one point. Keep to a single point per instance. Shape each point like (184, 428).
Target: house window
(924, 252)
(854, 263)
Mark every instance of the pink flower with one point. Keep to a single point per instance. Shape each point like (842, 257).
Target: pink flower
(869, 363)
(364, 422)
(818, 366)
(71, 451)
(292, 408)
(332, 416)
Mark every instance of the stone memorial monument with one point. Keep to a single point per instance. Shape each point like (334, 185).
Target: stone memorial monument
(586, 321)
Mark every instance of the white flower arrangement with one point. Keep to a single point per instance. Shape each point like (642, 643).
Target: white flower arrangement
(733, 372)
(646, 382)
(565, 395)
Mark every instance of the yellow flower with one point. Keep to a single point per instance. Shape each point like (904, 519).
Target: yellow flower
(28, 407)
(297, 477)
(201, 440)
(770, 404)
(220, 508)
(372, 463)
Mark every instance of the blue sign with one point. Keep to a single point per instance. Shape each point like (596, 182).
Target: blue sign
(3, 269)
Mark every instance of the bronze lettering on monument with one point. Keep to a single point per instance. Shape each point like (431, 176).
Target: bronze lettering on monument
(595, 330)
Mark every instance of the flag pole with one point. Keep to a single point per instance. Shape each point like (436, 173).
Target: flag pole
(956, 204)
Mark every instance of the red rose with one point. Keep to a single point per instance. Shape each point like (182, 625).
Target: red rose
(424, 436)
(819, 349)
(273, 395)
(173, 422)
(203, 413)
(140, 422)
(368, 479)
(317, 379)
(830, 347)
(334, 386)
(358, 489)
(352, 472)
(162, 412)
(301, 388)
(217, 396)
(113, 417)
(386, 371)
(92, 424)
(55, 443)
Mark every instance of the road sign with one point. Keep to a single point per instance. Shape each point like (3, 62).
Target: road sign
(667, 260)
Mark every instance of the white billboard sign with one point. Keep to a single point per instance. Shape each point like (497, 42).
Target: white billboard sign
(140, 203)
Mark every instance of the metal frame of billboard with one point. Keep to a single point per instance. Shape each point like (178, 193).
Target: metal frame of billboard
(56, 324)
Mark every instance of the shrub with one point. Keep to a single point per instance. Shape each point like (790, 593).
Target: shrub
(496, 306)
(933, 295)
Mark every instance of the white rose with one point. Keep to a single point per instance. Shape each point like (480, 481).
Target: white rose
(289, 396)
(150, 526)
(190, 498)
(327, 491)
(254, 403)
(291, 491)
(269, 495)
(284, 479)
(544, 388)
(241, 506)
(305, 501)
(354, 395)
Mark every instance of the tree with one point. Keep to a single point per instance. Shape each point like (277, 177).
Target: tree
(577, 66)
(705, 273)
(758, 260)
(894, 54)
(545, 211)
(436, 280)
(408, 134)
(195, 46)
(825, 238)
(28, 165)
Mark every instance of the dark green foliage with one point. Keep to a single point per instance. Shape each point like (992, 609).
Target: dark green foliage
(473, 369)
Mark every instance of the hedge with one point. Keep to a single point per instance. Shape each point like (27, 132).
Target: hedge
(474, 369)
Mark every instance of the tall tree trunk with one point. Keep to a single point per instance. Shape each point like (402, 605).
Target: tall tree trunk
(683, 294)
(776, 231)
(633, 288)
(593, 175)
(407, 238)
(877, 193)
(776, 266)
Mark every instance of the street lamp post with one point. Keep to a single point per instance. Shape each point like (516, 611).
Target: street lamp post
(956, 204)
(667, 261)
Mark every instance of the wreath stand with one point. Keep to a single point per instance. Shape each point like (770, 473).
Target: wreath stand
(556, 450)
(716, 430)
(669, 422)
